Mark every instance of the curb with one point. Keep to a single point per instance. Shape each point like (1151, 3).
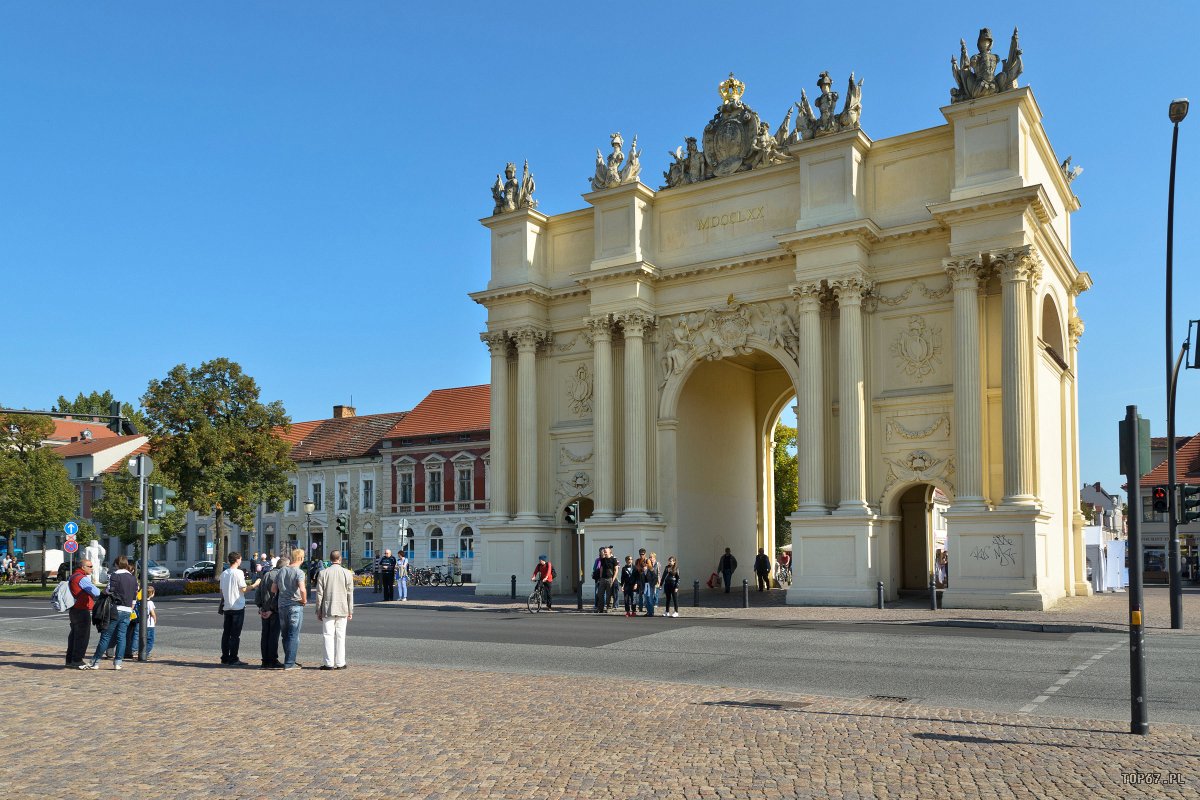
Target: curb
(1032, 627)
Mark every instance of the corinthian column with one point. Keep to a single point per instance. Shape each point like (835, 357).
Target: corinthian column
(968, 396)
(527, 340)
(851, 400)
(634, 324)
(1019, 270)
(498, 346)
(810, 425)
(600, 330)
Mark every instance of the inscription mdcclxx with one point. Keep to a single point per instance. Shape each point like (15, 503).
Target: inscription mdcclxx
(720, 220)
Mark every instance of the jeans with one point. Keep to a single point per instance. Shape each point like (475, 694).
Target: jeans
(81, 633)
(630, 603)
(649, 598)
(601, 594)
(612, 593)
(137, 639)
(671, 594)
(290, 620)
(333, 631)
(727, 576)
(231, 635)
(115, 632)
(269, 643)
(402, 583)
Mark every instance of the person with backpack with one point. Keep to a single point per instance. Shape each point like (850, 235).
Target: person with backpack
(84, 593)
(268, 612)
(122, 589)
(545, 572)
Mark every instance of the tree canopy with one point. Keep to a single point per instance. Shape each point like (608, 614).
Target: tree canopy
(99, 404)
(213, 438)
(787, 490)
(117, 511)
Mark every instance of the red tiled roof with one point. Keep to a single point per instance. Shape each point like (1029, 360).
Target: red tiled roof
(85, 448)
(120, 465)
(467, 408)
(345, 437)
(1187, 463)
(1160, 442)
(298, 430)
(66, 430)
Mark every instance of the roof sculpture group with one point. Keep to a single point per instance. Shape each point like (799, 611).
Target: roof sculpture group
(737, 140)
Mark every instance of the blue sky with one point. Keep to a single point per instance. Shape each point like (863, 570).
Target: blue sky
(297, 186)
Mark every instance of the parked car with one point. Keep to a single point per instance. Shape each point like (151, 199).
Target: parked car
(156, 571)
(200, 571)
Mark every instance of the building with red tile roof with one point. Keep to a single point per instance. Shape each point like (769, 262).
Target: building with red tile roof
(1154, 530)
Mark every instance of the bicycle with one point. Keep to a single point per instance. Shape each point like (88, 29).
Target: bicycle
(536, 598)
(445, 574)
(783, 572)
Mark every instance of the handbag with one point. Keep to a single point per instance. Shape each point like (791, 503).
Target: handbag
(221, 605)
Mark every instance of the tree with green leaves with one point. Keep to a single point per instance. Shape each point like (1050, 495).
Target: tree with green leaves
(212, 437)
(98, 404)
(118, 514)
(787, 489)
(35, 492)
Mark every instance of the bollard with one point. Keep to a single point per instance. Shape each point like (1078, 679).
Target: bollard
(514, 587)
(879, 590)
(745, 593)
(695, 594)
(932, 595)
(579, 598)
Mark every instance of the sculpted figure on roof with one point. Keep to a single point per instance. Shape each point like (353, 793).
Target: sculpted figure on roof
(977, 76)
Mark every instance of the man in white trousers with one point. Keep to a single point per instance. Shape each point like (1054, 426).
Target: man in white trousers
(335, 607)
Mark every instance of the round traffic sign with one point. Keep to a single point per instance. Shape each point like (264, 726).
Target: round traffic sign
(140, 466)
(71, 528)
(71, 546)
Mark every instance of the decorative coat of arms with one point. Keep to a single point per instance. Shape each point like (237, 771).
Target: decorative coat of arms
(918, 348)
(976, 76)
(579, 391)
(920, 465)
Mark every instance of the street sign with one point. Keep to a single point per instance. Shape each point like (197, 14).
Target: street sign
(70, 537)
(71, 528)
(146, 466)
(208, 548)
(70, 546)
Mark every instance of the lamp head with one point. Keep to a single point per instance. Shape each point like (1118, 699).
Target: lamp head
(1178, 110)
(309, 506)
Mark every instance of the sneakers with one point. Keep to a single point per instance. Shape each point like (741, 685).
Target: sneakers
(293, 666)
(675, 614)
(116, 665)
(325, 667)
(88, 665)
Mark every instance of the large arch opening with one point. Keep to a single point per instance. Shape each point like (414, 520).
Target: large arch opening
(726, 413)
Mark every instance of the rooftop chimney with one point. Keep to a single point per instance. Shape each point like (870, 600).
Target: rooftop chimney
(343, 412)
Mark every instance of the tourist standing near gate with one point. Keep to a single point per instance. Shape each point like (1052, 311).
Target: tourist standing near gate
(335, 607)
(670, 586)
(387, 575)
(726, 567)
(402, 575)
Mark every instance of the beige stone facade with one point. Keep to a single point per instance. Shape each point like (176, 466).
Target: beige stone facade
(913, 299)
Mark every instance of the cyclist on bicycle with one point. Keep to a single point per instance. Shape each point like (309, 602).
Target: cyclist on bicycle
(543, 574)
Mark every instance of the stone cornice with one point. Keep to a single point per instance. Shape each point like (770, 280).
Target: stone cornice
(638, 270)
(533, 290)
(511, 217)
(751, 260)
(1027, 198)
(863, 231)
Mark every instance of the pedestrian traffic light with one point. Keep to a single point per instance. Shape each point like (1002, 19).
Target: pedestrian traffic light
(1160, 499)
(571, 514)
(1189, 503)
(162, 496)
(341, 526)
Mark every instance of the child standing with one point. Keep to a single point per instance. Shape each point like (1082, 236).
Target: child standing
(151, 619)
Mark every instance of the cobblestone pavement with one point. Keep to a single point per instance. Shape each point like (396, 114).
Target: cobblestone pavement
(212, 731)
(1109, 611)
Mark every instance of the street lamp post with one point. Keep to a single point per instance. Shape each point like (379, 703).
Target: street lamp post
(309, 508)
(1178, 110)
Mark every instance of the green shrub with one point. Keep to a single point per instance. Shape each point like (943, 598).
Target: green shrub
(201, 587)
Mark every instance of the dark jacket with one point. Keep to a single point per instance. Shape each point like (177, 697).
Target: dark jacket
(650, 576)
(670, 579)
(728, 563)
(123, 588)
(762, 564)
(629, 577)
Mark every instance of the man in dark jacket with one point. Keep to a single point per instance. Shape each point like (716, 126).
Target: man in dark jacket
(268, 611)
(727, 566)
(85, 594)
(762, 570)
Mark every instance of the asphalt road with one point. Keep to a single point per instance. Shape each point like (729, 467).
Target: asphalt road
(1082, 675)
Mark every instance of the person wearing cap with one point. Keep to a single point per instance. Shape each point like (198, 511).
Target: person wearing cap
(545, 572)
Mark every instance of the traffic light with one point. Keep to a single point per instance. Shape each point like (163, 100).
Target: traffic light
(1189, 503)
(571, 514)
(341, 526)
(162, 506)
(1160, 499)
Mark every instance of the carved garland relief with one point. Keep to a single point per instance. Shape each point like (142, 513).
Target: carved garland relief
(895, 428)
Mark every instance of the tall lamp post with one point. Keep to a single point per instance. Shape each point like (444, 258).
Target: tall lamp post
(1178, 110)
(309, 508)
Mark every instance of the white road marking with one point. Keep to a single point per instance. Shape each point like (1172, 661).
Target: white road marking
(1064, 680)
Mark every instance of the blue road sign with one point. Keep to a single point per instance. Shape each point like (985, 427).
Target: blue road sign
(70, 529)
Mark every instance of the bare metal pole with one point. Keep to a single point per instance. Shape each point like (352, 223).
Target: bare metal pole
(1178, 111)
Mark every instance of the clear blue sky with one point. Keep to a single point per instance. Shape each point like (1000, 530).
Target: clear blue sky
(296, 186)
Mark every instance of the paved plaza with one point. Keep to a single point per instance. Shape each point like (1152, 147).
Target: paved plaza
(373, 731)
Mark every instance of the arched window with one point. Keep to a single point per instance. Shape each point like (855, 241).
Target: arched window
(1052, 334)
(466, 543)
(437, 544)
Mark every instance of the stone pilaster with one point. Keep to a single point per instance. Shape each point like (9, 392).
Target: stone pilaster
(1019, 269)
(528, 340)
(600, 331)
(965, 273)
(498, 347)
(634, 324)
(851, 395)
(810, 430)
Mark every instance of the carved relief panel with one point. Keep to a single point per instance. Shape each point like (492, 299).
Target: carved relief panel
(917, 350)
(574, 388)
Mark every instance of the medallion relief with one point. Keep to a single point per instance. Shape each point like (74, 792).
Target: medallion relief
(577, 485)
(919, 465)
(579, 391)
(918, 349)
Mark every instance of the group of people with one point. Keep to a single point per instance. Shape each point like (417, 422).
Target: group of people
(8, 569)
(391, 573)
(639, 582)
(112, 616)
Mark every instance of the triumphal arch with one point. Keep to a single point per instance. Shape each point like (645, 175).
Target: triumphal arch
(909, 304)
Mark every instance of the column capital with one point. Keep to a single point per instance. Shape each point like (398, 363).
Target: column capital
(599, 328)
(634, 322)
(496, 341)
(809, 295)
(851, 290)
(1075, 328)
(529, 338)
(1017, 264)
(965, 271)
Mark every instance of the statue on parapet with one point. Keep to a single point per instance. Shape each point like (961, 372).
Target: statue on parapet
(610, 172)
(977, 76)
(811, 125)
(510, 194)
(765, 150)
(688, 166)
